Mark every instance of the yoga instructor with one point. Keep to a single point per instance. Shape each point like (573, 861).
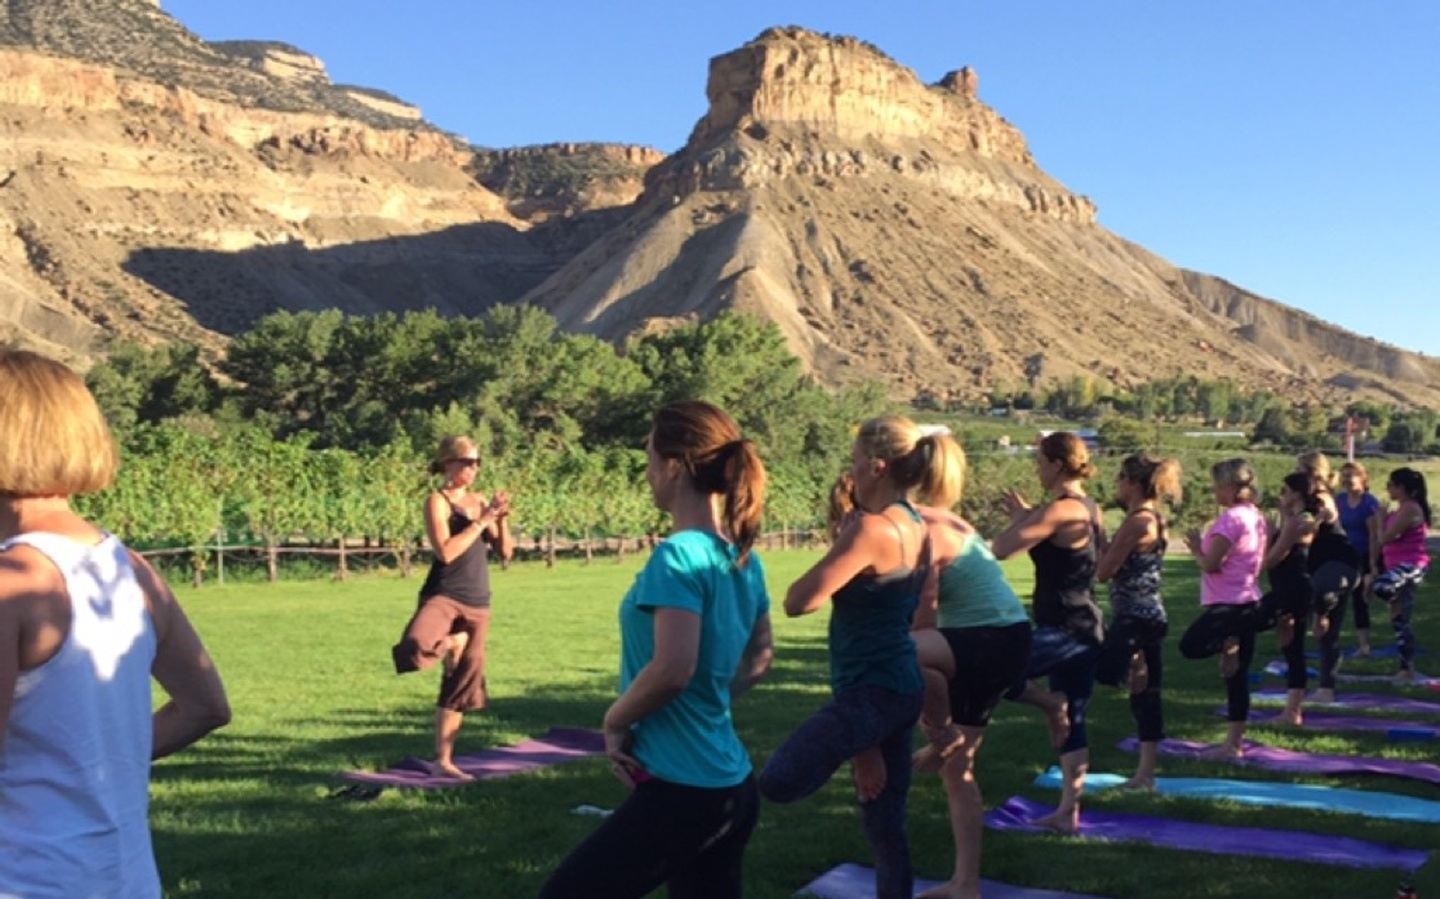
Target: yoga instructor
(454, 614)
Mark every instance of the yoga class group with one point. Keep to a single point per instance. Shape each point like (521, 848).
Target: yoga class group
(925, 633)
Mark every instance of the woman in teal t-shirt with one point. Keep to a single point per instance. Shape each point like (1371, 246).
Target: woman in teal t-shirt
(694, 634)
(872, 577)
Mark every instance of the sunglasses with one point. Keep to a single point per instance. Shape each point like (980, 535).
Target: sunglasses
(472, 462)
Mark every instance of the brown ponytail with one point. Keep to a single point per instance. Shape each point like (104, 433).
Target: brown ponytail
(1071, 452)
(707, 441)
(1157, 478)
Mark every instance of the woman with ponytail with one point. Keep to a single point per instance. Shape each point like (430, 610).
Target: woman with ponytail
(694, 634)
(1400, 548)
(973, 640)
(873, 575)
(1133, 563)
(1064, 538)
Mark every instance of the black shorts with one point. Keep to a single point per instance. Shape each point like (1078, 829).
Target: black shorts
(988, 662)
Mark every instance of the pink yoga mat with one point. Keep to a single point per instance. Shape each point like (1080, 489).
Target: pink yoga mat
(1273, 758)
(858, 882)
(1288, 845)
(1363, 701)
(556, 746)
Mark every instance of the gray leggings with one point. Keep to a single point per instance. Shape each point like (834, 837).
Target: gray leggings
(857, 720)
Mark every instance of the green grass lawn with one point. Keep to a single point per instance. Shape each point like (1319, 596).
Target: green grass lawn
(307, 666)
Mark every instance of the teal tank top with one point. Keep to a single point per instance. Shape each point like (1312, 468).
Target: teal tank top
(974, 592)
(870, 642)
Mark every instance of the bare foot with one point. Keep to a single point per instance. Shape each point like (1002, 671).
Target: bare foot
(868, 769)
(1285, 630)
(448, 769)
(1362, 651)
(927, 760)
(1292, 717)
(1223, 752)
(1139, 782)
(1139, 674)
(1323, 696)
(1061, 820)
(454, 648)
(1057, 716)
(952, 889)
(1230, 657)
(1405, 676)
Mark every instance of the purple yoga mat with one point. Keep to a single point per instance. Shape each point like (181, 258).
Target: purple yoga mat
(1329, 721)
(1290, 845)
(1273, 758)
(1366, 701)
(858, 882)
(556, 746)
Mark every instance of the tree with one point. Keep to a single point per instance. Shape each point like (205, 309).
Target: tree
(1123, 435)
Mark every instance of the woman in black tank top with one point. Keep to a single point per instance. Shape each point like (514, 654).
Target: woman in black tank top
(454, 614)
(1063, 537)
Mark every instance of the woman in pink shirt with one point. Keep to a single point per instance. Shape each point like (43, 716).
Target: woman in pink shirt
(1401, 550)
(1229, 554)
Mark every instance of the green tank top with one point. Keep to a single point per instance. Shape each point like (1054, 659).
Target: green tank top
(974, 592)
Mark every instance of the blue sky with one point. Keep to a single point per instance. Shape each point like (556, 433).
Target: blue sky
(1290, 147)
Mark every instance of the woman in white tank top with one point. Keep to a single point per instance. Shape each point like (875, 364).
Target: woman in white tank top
(84, 624)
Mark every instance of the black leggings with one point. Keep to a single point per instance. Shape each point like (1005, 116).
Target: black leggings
(1206, 637)
(690, 838)
(1330, 643)
(1123, 638)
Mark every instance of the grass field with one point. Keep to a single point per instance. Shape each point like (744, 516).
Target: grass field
(307, 666)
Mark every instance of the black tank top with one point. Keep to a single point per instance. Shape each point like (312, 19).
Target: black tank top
(1292, 575)
(1065, 589)
(467, 578)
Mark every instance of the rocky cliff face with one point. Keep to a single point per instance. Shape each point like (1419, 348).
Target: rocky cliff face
(161, 187)
(902, 230)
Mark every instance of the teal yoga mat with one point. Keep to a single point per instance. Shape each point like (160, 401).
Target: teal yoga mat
(1392, 806)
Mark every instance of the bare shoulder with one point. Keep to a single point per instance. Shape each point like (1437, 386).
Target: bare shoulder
(25, 572)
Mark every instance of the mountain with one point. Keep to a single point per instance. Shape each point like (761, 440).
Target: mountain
(903, 230)
(156, 186)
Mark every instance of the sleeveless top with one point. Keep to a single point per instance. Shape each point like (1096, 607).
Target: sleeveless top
(974, 592)
(1292, 575)
(870, 642)
(1408, 548)
(1064, 589)
(75, 763)
(1135, 588)
(466, 579)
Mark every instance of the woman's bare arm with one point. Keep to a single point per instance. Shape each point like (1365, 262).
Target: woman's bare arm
(197, 703)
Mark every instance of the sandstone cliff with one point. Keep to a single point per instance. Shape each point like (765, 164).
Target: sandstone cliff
(155, 186)
(903, 230)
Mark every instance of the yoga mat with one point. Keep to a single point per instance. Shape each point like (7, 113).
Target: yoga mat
(1394, 729)
(858, 882)
(1424, 681)
(1273, 758)
(556, 746)
(1390, 806)
(1377, 652)
(1288, 845)
(1358, 701)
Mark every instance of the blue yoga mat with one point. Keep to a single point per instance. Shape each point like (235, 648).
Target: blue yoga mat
(1391, 806)
(1378, 652)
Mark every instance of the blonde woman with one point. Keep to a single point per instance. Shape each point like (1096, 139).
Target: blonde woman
(872, 576)
(453, 619)
(85, 624)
